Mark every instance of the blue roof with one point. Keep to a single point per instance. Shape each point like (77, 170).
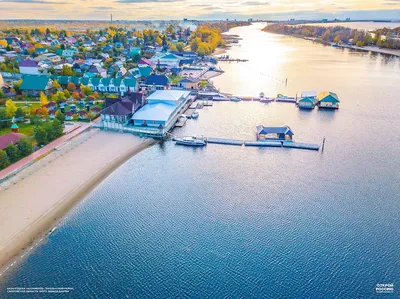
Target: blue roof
(157, 80)
(274, 130)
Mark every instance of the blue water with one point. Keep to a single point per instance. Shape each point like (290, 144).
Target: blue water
(236, 222)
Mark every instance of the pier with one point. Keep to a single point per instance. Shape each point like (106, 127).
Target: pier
(232, 60)
(225, 141)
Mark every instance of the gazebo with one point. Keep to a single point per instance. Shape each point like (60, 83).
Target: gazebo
(14, 128)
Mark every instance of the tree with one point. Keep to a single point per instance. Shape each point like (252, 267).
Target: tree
(60, 95)
(12, 153)
(67, 93)
(71, 87)
(173, 48)
(56, 84)
(1, 94)
(41, 136)
(20, 113)
(180, 46)
(11, 108)
(60, 116)
(67, 71)
(4, 161)
(17, 86)
(43, 99)
(5, 119)
(76, 95)
(56, 130)
(25, 147)
(86, 90)
(95, 95)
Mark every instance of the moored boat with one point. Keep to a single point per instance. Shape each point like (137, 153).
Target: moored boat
(264, 99)
(285, 99)
(191, 141)
(195, 115)
(235, 99)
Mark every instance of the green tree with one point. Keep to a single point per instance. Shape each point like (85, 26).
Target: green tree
(20, 113)
(180, 46)
(67, 71)
(40, 135)
(56, 129)
(25, 147)
(60, 116)
(4, 161)
(5, 119)
(12, 153)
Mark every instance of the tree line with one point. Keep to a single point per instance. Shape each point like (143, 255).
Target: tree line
(385, 37)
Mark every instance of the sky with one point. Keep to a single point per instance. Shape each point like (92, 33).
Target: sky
(199, 9)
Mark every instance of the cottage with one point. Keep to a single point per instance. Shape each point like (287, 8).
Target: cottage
(82, 115)
(274, 133)
(306, 103)
(34, 84)
(29, 67)
(98, 71)
(328, 100)
(189, 83)
(69, 115)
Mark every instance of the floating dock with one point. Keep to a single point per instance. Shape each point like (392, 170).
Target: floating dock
(287, 144)
(225, 141)
(181, 122)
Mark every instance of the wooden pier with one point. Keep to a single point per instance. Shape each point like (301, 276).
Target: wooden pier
(287, 144)
(225, 141)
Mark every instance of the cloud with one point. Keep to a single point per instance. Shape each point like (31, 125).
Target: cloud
(33, 2)
(256, 3)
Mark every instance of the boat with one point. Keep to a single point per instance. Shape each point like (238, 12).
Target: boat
(263, 99)
(195, 115)
(235, 99)
(191, 141)
(285, 99)
(220, 98)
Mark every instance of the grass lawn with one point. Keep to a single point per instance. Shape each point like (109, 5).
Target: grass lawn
(26, 129)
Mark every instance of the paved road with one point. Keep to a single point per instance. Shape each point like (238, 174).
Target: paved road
(47, 148)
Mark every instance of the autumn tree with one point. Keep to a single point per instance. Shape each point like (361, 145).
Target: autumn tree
(11, 107)
(43, 99)
(71, 87)
(56, 84)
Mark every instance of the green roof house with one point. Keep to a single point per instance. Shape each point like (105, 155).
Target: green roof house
(328, 100)
(34, 84)
(306, 103)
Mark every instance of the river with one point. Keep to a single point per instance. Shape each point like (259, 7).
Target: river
(238, 222)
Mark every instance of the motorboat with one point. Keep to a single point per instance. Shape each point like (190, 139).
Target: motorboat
(195, 115)
(286, 99)
(191, 141)
(235, 99)
(264, 99)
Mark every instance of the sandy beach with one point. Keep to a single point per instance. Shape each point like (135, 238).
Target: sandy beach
(46, 191)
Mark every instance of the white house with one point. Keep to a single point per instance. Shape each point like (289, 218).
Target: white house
(161, 108)
(29, 67)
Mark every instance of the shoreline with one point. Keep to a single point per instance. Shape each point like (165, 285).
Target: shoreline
(19, 244)
(372, 49)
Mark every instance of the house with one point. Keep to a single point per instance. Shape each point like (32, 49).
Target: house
(189, 83)
(157, 82)
(29, 67)
(310, 94)
(169, 60)
(161, 109)
(82, 115)
(51, 106)
(34, 84)
(306, 103)
(121, 110)
(274, 133)
(192, 55)
(10, 138)
(69, 115)
(98, 70)
(328, 100)
(134, 51)
(52, 114)
(146, 62)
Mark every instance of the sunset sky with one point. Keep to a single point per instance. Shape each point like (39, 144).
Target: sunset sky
(199, 9)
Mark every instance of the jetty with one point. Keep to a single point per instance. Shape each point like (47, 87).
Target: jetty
(225, 141)
(286, 144)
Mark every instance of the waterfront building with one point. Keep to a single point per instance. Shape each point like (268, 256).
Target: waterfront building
(161, 109)
(306, 103)
(310, 94)
(157, 82)
(328, 100)
(121, 110)
(274, 133)
(189, 83)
